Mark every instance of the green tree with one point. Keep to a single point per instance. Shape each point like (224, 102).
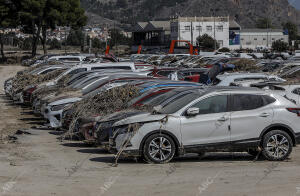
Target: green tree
(264, 23)
(97, 45)
(207, 42)
(117, 38)
(7, 19)
(26, 44)
(54, 44)
(121, 3)
(224, 49)
(37, 16)
(292, 30)
(75, 38)
(280, 46)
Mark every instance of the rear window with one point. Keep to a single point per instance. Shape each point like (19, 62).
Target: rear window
(47, 71)
(69, 59)
(249, 79)
(242, 102)
(164, 73)
(296, 91)
(113, 67)
(77, 71)
(268, 100)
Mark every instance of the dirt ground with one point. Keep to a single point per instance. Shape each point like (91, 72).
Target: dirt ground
(39, 164)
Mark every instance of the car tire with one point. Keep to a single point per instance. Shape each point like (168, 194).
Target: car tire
(277, 145)
(159, 148)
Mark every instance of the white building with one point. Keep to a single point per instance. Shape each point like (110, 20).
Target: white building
(261, 38)
(189, 28)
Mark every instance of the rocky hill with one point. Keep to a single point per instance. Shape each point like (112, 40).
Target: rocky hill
(246, 12)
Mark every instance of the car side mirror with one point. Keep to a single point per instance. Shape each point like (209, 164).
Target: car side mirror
(156, 109)
(192, 111)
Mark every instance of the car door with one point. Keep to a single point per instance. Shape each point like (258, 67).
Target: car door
(250, 115)
(210, 126)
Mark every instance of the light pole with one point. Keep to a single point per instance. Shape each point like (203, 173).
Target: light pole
(214, 15)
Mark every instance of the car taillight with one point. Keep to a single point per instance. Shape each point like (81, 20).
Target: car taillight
(294, 110)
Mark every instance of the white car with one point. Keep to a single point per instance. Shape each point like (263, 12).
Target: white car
(292, 92)
(69, 59)
(53, 111)
(227, 79)
(212, 119)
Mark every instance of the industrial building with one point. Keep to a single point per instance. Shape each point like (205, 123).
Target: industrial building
(227, 32)
(261, 38)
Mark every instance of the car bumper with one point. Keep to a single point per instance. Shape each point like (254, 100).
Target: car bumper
(115, 145)
(54, 117)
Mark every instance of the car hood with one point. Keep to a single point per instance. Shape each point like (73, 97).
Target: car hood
(72, 94)
(117, 116)
(140, 118)
(65, 101)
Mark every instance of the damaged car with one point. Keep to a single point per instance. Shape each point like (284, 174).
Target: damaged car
(208, 120)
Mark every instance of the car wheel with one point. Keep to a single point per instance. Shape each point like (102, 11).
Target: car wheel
(277, 145)
(159, 148)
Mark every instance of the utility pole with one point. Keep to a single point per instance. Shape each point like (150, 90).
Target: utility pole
(115, 37)
(90, 45)
(65, 40)
(214, 15)
(215, 41)
(192, 36)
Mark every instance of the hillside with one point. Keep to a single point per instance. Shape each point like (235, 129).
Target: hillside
(246, 12)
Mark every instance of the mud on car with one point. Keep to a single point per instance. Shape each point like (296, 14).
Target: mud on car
(209, 120)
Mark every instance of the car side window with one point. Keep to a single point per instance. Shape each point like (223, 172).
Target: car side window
(268, 100)
(212, 105)
(242, 102)
(77, 71)
(47, 71)
(296, 91)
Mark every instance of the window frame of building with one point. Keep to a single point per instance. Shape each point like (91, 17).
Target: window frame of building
(221, 43)
(220, 28)
(199, 28)
(209, 28)
(187, 28)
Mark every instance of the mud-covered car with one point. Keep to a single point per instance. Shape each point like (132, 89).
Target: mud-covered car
(212, 119)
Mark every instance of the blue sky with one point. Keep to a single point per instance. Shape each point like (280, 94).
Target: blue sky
(295, 3)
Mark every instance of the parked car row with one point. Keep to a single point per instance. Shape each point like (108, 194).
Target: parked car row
(138, 109)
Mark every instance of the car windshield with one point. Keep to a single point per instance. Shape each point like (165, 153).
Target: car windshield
(160, 99)
(178, 103)
(94, 85)
(154, 99)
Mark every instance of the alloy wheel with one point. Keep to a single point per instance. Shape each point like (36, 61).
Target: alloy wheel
(160, 148)
(277, 146)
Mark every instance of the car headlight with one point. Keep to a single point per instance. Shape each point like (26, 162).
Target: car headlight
(58, 107)
(126, 128)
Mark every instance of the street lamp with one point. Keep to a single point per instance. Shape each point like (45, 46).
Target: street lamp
(214, 10)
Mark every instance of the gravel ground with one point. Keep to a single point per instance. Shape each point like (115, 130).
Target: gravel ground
(39, 164)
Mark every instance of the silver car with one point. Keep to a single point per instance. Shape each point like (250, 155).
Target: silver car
(212, 119)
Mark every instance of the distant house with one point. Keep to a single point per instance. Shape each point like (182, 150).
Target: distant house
(261, 38)
(189, 28)
(151, 34)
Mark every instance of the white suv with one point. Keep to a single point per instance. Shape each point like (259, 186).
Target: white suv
(212, 119)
